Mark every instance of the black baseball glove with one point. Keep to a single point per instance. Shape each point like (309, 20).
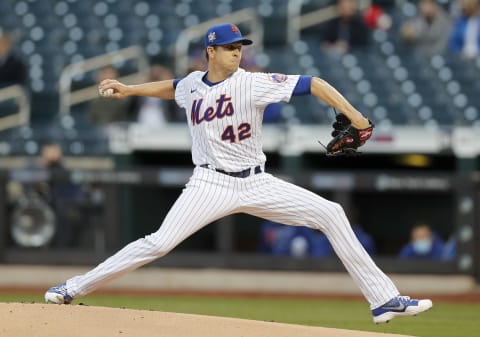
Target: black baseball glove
(340, 124)
(346, 138)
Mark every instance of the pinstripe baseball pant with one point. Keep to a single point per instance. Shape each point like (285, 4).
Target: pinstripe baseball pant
(210, 195)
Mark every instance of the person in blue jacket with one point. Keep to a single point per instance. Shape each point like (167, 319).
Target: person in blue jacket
(424, 244)
(465, 37)
(281, 240)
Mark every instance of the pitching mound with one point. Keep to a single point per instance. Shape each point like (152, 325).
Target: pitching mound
(42, 320)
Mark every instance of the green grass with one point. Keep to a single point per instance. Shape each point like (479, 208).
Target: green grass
(444, 320)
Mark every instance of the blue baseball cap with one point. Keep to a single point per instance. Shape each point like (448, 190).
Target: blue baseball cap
(223, 34)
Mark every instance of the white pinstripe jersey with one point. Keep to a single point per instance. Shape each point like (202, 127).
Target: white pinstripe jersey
(225, 119)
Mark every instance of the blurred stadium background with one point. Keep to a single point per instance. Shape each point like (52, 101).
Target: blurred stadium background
(119, 181)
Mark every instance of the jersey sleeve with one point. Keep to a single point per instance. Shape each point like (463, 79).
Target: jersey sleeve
(273, 88)
(180, 94)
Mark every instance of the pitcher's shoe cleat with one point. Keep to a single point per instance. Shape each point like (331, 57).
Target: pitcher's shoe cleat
(400, 306)
(58, 295)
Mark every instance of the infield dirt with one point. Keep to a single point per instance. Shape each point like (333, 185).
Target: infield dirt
(49, 320)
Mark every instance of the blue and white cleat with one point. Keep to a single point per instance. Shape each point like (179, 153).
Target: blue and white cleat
(400, 306)
(58, 295)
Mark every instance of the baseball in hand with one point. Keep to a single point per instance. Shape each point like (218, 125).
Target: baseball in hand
(106, 93)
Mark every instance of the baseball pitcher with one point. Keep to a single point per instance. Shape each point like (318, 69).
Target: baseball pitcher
(224, 108)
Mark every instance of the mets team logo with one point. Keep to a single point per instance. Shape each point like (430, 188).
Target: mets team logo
(211, 37)
(223, 107)
(234, 29)
(278, 78)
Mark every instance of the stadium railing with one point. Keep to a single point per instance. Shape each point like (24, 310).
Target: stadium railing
(22, 116)
(68, 98)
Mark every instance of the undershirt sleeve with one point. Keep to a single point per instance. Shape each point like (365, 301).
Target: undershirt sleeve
(303, 86)
(175, 82)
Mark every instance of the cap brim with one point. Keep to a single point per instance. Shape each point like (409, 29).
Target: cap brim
(244, 41)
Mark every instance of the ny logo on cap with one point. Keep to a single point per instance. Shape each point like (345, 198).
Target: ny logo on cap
(211, 37)
(234, 29)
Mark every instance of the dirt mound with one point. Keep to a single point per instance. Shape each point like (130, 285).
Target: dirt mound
(43, 320)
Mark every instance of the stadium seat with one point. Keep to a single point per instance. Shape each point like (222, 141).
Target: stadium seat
(387, 80)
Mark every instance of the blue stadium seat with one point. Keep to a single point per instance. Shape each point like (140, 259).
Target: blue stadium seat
(442, 90)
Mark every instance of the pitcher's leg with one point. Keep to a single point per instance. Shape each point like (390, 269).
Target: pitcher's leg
(377, 287)
(189, 213)
(292, 205)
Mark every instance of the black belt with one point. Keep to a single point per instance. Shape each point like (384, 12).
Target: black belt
(241, 174)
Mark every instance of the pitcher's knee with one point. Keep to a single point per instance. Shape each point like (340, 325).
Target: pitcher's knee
(157, 245)
(330, 209)
(337, 208)
(330, 215)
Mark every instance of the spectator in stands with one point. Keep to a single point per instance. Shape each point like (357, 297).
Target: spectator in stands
(102, 111)
(375, 16)
(424, 244)
(450, 249)
(154, 112)
(63, 197)
(430, 30)
(365, 239)
(282, 240)
(465, 37)
(346, 31)
(12, 68)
